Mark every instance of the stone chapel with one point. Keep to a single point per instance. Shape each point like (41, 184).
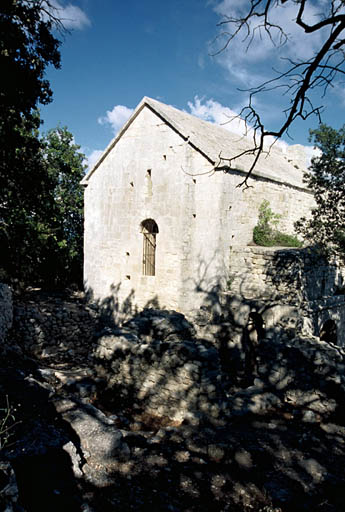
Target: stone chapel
(163, 214)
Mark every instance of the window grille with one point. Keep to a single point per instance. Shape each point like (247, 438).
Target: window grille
(149, 230)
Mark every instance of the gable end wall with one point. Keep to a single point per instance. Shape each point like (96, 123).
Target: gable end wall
(199, 216)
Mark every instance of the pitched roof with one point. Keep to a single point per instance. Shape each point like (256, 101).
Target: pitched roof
(214, 141)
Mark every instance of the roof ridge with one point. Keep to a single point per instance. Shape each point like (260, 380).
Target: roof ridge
(216, 144)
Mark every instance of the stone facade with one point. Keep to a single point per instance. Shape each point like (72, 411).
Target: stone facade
(164, 166)
(294, 290)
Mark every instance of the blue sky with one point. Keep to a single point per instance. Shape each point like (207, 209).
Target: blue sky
(119, 51)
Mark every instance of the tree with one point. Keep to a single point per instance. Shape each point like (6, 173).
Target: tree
(326, 179)
(27, 47)
(41, 201)
(63, 260)
(299, 78)
(26, 201)
(43, 245)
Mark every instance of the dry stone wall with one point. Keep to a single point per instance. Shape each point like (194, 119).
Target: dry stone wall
(292, 275)
(171, 377)
(295, 289)
(153, 363)
(51, 326)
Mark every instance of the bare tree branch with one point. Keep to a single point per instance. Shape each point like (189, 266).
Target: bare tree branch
(300, 77)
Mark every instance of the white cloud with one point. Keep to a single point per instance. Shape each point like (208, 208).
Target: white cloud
(116, 117)
(247, 58)
(93, 157)
(208, 110)
(71, 16)
(311, 152)
(214, 112)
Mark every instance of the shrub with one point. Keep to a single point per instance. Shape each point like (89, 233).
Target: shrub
(266, 233)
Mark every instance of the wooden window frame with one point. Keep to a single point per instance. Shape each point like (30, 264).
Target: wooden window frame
(149, 230)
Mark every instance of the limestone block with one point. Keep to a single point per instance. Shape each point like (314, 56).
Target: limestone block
(314, 400)
(99, 437)
(254, 400)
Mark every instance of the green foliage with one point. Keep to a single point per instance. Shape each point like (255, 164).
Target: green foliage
(266, 232)
(27, 47)
(25, 199)
(42, 236)
(64, 227)
(267, 224)
(326, 179)
(41, 201)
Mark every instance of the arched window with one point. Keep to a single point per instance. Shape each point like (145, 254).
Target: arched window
(149, 230)
(328, 332)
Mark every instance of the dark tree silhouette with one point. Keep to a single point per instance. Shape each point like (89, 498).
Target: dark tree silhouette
(29, 166)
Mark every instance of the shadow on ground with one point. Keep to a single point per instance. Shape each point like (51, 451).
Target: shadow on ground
(263, 460)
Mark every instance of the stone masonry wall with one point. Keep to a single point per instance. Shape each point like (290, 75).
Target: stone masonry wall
(153, 173)
(52, 326)
(291, 287)
(166, 379)
(292, 275)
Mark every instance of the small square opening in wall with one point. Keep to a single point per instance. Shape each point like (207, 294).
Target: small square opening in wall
(194, 215)
(131, 184)
(165, 157)
(194, 180)
(128, 277)
(148, 172)
(127, 253)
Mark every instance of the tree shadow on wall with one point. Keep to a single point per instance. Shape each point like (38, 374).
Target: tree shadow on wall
(112, 311)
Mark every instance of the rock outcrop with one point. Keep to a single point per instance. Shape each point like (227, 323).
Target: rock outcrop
(149, 416)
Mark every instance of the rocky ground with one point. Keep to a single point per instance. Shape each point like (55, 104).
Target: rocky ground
(280, 447)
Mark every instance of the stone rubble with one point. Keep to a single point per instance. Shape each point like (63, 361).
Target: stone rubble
(54, 327)
(172, 377)
(153, 417)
